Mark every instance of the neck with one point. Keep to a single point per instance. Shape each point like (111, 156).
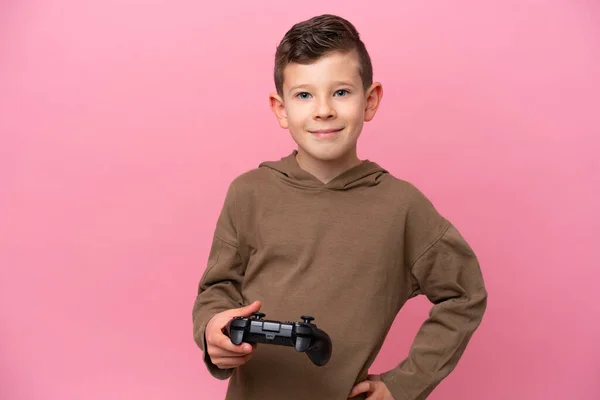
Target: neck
(325, 170)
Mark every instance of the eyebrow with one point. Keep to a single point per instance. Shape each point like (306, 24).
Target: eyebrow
(335, 83)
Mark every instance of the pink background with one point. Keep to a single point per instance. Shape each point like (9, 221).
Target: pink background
(123, 122)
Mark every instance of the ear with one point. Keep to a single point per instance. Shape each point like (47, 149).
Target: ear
(278, 108)
(373, 96)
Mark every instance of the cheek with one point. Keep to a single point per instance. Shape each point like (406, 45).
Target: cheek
(296, 116)
(351, 111)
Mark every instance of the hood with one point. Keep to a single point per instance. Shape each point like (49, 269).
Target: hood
(367, 173)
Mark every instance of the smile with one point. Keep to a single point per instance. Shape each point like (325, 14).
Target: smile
(325, 133)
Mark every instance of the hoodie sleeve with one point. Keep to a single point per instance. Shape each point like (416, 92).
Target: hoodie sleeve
(219, 288)
(447, 271)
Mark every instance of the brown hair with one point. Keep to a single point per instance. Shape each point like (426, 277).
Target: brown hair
(309, 40)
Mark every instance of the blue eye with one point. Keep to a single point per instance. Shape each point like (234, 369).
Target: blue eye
(341, 92)
(303, 95)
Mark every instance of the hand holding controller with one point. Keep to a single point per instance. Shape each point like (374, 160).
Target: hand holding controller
(303, 336)
(219, 348)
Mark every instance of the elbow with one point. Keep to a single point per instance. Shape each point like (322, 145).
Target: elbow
(477, 305)
(469, 307)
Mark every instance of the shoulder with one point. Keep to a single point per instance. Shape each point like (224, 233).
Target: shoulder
(247, 186)
(402, 187)
(238, 198)
(423, 222)
(406, 193)
(249, 180)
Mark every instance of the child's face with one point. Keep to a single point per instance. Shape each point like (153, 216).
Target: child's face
(324, 106)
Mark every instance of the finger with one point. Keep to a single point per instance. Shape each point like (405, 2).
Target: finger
(246, 311)
(216, 351)
(220, 340)
(376, 395)
(362, 387)
(222, 319)
(236, 360)
(224, 344)
(231, 362)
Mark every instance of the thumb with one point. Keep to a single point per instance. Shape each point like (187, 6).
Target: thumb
(247, 311)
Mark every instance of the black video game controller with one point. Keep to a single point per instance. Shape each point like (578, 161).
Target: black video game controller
(304, 336)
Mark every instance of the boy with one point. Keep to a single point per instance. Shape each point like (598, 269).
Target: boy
(325, 234)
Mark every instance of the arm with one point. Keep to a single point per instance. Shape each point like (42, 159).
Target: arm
(220, 285)
(448, 273)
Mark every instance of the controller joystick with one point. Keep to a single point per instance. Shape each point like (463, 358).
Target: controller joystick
(304, 336)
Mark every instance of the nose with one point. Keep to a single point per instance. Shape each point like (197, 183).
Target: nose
(323, 110)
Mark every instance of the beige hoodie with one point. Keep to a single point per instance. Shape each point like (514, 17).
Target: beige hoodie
(349, 253)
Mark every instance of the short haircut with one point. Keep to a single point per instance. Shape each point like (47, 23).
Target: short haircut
(309, 40)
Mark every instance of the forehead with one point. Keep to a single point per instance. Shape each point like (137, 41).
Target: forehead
(332, 67)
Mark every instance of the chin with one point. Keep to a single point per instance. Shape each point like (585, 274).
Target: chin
(326, 154)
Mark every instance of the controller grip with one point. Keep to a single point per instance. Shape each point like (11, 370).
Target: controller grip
(321, 349)
(237, 336)
(235, 330)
